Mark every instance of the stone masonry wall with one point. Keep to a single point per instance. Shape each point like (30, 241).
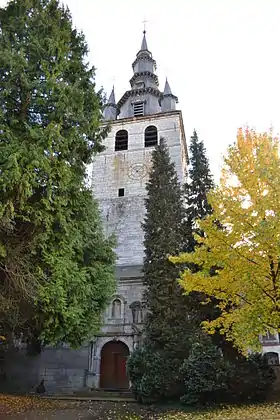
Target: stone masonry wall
(112, 171)
(62, 369)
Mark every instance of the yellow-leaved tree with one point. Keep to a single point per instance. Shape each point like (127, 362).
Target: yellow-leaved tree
(239, 256)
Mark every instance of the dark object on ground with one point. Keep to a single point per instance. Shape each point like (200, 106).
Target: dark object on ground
(41, 387)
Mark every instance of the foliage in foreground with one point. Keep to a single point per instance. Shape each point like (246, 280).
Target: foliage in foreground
(56, 267)
(176, 360)
(244, 245)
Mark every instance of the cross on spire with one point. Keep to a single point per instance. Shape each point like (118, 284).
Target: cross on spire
(144, 23)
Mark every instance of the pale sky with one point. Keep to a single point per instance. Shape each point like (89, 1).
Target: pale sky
(221, 58)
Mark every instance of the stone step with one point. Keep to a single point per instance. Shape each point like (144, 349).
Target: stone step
(100, 393)
(73, 397)
(95, 395)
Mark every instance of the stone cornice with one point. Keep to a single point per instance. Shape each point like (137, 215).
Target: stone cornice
(144, 73)
(120, 121)
(135, 92)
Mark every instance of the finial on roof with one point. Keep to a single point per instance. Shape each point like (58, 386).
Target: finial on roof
(144, 46)
(144, 23)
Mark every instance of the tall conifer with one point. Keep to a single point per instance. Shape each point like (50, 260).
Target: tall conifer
(199, 183)
(56, 267)
(155, 368)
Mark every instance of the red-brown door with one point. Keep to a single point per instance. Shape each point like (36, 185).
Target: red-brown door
(113, 366)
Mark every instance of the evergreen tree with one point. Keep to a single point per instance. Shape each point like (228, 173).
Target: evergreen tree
(167, 329)
(56, 266)
(164, 236)
(200, 182)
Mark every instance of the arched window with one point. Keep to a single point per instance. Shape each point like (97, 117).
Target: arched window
(151, 136)
(121, 140)
(272, 358)
(116, 308)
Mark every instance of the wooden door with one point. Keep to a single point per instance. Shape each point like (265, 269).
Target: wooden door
(113, 366)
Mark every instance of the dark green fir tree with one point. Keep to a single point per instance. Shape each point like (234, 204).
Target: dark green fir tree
(199, 183)
(56, 266)
(154, 369)
(164, 236)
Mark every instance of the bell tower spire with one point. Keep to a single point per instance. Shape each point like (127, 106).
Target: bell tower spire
(144, 46)
(144, 96)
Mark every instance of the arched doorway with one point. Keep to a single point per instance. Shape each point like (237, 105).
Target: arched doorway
(113, 366)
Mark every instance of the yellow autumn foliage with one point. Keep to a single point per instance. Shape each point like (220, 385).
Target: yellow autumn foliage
(244, 245)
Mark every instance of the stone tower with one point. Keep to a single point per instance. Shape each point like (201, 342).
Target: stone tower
(141, 117)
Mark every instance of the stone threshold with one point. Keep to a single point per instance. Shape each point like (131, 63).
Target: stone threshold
(94, 395)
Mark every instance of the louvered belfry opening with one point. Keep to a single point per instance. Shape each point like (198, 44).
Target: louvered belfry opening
(138, 109)
(121, 140)
(151, 136)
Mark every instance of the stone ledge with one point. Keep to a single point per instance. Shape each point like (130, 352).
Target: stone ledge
(124, 272)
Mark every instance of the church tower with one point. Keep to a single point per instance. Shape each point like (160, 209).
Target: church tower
(142, 116)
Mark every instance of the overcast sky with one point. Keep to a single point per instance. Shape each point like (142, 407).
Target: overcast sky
(221, 58)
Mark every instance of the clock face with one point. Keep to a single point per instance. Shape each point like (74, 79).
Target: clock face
(137, 171)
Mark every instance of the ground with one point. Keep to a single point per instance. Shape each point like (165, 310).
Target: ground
(26, 408)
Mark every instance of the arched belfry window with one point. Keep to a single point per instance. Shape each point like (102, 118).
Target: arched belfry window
(116, 308)
(121, 140)
(151, 136)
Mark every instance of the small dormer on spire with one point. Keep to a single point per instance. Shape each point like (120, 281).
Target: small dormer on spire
(169, 101)
(110, 108)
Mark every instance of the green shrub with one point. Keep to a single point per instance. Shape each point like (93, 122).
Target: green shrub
(154, 376)
(208, 377)
(205, 374)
